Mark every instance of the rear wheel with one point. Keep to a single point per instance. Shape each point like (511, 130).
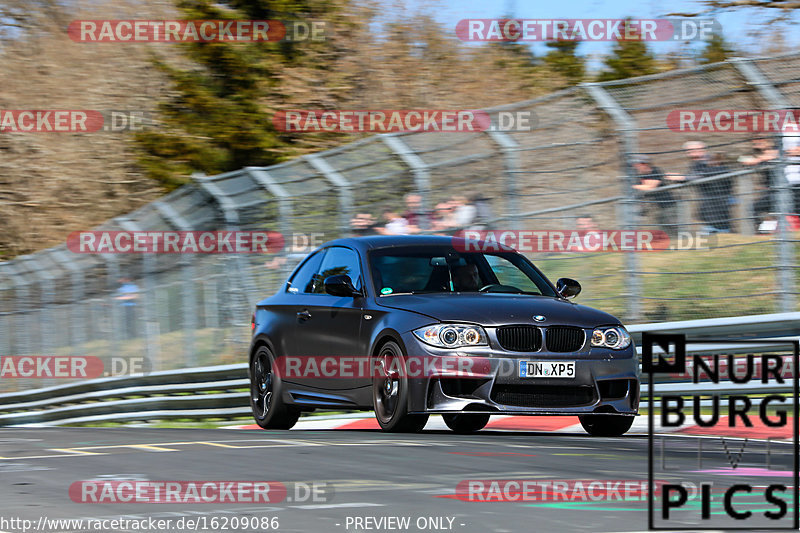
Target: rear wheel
(606, 425)
(269, 410)
(390, 392)
(461, 423)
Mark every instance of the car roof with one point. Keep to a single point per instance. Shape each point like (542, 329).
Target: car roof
(388, 241)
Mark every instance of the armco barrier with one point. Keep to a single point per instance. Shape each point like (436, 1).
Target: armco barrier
(221, 391)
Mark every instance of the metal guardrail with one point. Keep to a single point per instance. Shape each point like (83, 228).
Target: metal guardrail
(217, 391)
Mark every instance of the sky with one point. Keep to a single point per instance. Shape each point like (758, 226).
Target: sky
(737, 25)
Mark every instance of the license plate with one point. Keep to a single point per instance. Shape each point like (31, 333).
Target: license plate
(547, 369)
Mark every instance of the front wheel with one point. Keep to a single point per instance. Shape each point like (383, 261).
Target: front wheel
(461, 423)
(390, 392)
(269, 410)
(606, 425)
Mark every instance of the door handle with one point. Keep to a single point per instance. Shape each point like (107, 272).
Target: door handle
(303, 315)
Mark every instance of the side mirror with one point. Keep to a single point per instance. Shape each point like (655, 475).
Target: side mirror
(568, 288)
(340, 285)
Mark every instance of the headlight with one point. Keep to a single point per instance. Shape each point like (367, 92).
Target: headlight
(615, 337)
(452, 335)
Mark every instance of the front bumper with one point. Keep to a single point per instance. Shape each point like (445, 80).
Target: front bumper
(606, 381)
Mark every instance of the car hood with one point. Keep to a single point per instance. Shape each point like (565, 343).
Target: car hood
(498, 309)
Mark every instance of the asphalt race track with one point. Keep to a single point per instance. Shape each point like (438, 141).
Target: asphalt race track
(372, 475)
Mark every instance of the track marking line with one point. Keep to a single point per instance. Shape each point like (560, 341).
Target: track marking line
(338, 505)
(150, 448)
(75, 451)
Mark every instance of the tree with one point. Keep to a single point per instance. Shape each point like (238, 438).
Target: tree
(629, 58)
(218, 117)
(562, 59)
(716, 50)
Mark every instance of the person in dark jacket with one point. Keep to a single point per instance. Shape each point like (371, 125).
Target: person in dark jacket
(716, 196)
(662, 204)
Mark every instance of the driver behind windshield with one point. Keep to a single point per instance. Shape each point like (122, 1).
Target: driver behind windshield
(466, 278)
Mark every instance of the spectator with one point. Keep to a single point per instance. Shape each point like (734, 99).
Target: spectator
(464, 212)
(650, 178)
(414, 214)
(395, 224)
(715, 196)
(763, 182)
(443, 220)
(483, 212)
(791, 152)
(127, 295)
(586, 223)
(362, 224)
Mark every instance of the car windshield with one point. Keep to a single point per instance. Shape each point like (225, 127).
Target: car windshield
(437, 269)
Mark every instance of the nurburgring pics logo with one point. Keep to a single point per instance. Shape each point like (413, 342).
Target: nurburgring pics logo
(535, 30)
(752, 485)
(733, 120)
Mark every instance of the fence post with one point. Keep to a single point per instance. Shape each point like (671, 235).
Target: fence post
(508, 147)
(776, 101)
(422, 178)
(115, 313)
(626, 129)
(343, 187)
(262, 177)
(77, 318)
(240, 300)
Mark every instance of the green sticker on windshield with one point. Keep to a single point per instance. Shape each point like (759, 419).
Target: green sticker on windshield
(386, 290)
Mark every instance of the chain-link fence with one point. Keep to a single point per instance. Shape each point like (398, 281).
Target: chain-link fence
(598, 156)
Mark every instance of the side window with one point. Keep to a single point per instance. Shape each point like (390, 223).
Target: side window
(303, 280)
(337, 261)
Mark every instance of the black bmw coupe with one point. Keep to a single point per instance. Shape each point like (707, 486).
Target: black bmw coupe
(414, 325)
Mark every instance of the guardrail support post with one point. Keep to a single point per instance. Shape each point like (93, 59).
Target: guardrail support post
(422, 178)
(240, 277)
(262, 177)
(778, 102)
(508, 147)
(342, 186)
(626, 128)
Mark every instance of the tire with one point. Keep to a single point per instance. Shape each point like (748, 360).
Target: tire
(606, 425)
(390, 393)
(269, 411)
(464, 424)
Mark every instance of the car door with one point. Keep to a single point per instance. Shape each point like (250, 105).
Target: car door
(330, 326)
